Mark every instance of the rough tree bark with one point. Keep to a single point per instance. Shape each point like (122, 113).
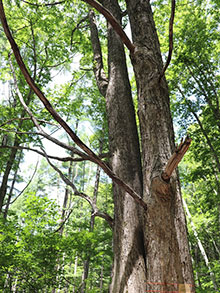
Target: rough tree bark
(168, 258)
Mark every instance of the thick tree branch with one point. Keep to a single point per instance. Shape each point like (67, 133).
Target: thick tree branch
(176, 158)
(173, 4)
(114, 23)
(57, 117)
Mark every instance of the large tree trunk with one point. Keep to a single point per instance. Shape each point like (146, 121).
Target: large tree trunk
(166, 245)
(129, 265)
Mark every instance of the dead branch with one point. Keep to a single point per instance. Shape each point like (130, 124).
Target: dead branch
(114, 23)
(92, 203)
(176, 158)
(173, 4)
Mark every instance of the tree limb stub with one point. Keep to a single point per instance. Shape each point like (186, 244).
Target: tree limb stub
(176, 158)
(116, 26)
(57, 117)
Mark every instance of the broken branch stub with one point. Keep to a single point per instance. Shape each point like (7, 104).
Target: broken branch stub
(176, 158)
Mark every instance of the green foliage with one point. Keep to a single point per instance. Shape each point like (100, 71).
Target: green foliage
(29, 248)
(35, 257)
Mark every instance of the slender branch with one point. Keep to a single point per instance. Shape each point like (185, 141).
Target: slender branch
(173, 4)
(22, 100)
(32, 117)
(202, 90)
(81, 194)
(77, 27)
(99, 214)
(45, 4)
(29, 182)
(56, 116)
(176, 158)
(27, 118)
(64, 159)
(208, 140)
(34, 50)
(54, 140)
(204, 132)
(116, 26)
(68, 182)
(64, 221)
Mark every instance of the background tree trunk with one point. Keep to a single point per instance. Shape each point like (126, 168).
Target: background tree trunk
(201, 248)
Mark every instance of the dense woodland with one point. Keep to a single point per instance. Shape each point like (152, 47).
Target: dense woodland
(57, 206)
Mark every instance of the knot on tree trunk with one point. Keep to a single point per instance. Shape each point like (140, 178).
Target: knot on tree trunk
(161, 189)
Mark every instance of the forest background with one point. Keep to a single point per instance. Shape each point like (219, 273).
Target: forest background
(57, 212)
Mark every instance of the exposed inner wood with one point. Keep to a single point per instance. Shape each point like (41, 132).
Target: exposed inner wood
(176, 158)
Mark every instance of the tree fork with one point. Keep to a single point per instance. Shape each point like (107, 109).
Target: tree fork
(114, 23)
